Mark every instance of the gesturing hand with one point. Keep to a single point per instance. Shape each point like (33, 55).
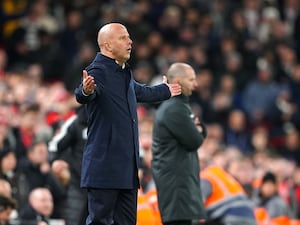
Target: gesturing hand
(88, 83)
(175, 89)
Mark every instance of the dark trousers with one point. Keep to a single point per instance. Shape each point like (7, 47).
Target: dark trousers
(181, 222)
(112, 207)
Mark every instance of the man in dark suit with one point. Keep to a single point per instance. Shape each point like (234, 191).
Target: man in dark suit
(111, 156)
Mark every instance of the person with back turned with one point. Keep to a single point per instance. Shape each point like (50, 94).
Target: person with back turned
(111, 155)
(177, 136)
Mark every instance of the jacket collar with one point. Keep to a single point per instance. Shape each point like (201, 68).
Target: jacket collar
(182, 98)
(112, 62)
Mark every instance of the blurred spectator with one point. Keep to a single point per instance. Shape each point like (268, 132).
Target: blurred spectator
(145, 138)
(289, 12)
(215, 131)
(260, 140)
(67, 144)
(38, 209)
(268, 197)
(287, 103)
(252, 14)
(35, 171)
(236, 132)
(242, 169)
(37, 18)
(8, 170)
(270, 16)
(259, 95)
(7, 205)
(290, 149)
(232, 208)
(60, 169)
(25, 133)
(286, 61)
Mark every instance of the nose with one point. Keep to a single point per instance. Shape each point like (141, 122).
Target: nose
(195, 84)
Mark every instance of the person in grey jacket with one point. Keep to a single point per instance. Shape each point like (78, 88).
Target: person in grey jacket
(267, 196)
(177, 135)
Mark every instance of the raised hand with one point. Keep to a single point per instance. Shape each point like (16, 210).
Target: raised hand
(175, 89)
(88, 83)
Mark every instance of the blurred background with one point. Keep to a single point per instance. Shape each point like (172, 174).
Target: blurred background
(246, 54)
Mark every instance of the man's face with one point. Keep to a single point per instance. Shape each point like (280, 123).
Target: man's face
(39, 154)
(43, 204)
(188, 82)
(120, 44)
(268, 189)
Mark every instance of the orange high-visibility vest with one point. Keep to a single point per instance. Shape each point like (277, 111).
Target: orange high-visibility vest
(145, 214)
(281, 220)
(223, 185)
(294, 222)
(151, 196)
(262, 216)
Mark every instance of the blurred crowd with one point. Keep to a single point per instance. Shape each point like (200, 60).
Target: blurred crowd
(246, 55)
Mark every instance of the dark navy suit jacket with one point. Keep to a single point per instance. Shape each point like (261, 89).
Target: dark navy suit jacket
(111, 155)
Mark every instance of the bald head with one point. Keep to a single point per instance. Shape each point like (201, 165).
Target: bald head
(183, 74)
(114, 42)
(107, 32)
(41, 201)
(178, 70)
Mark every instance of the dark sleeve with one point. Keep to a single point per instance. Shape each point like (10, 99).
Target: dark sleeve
(82, 99)
(57, 189)
(145, 93)
(64, 138)
(183, 128)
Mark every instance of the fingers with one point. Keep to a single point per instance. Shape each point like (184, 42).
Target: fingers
(175, 89)
(84, 74)
(165, 80)
(88, 83)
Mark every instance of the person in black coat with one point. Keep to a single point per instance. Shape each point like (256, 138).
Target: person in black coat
(177, 136)
(68, 145)
(35, 171)
(111, 156)
(38, 209)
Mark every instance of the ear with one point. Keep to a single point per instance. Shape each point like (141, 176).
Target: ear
(107, 46)
(176, 80)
